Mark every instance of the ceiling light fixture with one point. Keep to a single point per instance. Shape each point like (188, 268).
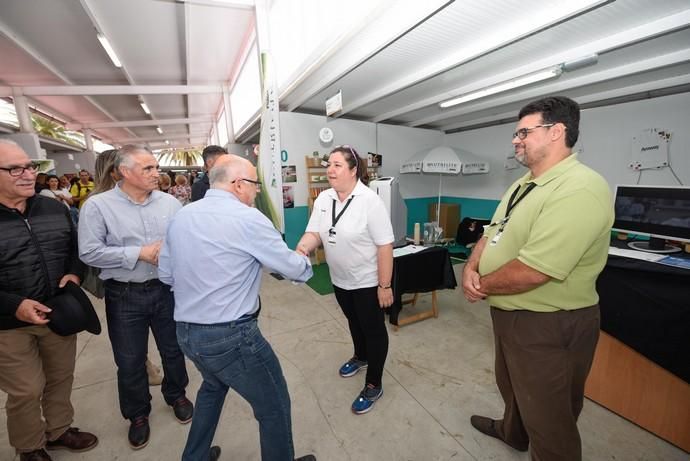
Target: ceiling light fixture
(551, 72)
(109, 49)
(159, 130)
(145, 107)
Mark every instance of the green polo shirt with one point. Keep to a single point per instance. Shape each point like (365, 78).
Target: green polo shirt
(562, 229)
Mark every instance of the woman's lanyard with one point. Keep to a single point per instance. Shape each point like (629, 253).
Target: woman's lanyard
(512, 203)
(335, 219)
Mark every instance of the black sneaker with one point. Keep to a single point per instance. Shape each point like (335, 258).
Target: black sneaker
(139, 432)
(214, 453)
(306, 458)
(183, 410)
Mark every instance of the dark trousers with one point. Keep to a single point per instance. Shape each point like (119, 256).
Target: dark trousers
(367, 327)
(131, 309)
(542, 362)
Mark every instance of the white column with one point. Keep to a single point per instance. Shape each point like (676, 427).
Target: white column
(88, 139)
(21, 106)
(228, 114)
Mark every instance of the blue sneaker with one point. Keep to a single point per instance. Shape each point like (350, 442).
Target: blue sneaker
(366, 399)
(351, 367)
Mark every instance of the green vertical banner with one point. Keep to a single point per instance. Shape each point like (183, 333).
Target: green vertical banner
(270, 200)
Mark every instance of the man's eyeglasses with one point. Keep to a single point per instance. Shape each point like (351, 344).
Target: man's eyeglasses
(17, 171)
(523, 132)
(256, 183)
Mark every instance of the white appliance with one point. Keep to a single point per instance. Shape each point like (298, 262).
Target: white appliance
(388, 189)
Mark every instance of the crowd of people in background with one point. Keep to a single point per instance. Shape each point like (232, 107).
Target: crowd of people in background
(72, 192)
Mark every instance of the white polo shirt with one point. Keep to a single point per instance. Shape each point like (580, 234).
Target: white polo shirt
(365, 224)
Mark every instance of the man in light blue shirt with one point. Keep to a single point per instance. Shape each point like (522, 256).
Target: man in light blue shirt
(217, 305)
(121, 232)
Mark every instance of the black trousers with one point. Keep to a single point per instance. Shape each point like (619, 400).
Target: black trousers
(367, 323)
(542, 363)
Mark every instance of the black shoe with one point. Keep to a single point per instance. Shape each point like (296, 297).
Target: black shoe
(36, 455)
(488, 426)
(139, 432)
(183, 410)
(214, 453)
(306, 458)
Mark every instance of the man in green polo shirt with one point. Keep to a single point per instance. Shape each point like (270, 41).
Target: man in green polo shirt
(537, 265)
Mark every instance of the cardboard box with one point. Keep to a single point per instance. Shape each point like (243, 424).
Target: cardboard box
(449, 218)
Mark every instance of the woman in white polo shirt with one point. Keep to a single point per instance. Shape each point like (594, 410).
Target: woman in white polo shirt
(352, 223)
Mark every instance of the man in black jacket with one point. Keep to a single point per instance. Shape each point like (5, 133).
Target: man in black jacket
(38, 255)
(210, 154)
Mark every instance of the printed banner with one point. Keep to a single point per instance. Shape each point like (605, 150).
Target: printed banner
(270, 200)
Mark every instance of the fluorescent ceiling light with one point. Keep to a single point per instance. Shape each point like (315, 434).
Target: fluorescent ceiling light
(145, 107)
(528, 79)
(109, 49)
(159, 130)
(167, 142)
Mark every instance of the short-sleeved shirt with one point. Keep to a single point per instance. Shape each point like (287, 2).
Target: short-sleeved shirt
(562, 229)
(365, 225)
(80, 191)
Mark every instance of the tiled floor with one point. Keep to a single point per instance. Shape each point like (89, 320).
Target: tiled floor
(438, 373)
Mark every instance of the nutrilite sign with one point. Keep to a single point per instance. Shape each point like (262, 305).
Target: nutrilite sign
(445, 160)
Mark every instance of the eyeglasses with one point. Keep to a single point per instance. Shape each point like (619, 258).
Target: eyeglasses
(523, 132)
(17, 171)
(256, 183)
(353, 153)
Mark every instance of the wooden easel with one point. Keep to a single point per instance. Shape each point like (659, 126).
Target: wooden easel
(433, 312)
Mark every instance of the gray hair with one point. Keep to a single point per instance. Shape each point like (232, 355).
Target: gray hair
(124, 155)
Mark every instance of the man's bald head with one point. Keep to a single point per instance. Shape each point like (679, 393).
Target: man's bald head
(236, 175)
(228, 168)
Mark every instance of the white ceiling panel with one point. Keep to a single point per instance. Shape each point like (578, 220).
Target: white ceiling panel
(400, 78)
(148, 37)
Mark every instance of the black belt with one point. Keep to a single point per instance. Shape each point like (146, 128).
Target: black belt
(244, 319)
(146, 284)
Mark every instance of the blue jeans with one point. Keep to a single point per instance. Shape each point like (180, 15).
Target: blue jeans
(235, 355)
(131, 309)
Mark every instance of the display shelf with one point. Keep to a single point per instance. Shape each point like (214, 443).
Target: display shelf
(317, 182)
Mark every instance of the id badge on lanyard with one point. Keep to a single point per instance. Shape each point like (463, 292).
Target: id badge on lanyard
(512, 203)
(335, 219)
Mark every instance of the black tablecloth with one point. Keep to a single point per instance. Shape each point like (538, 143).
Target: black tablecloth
(647, 306)
(421, 272)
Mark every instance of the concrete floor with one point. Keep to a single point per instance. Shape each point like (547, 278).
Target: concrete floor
(439, 372)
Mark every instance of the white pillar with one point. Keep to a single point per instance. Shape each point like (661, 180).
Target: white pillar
(88, 139)
(21, 106)
(228, 114)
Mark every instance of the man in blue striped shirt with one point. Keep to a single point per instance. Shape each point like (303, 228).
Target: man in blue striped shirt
(121, 231)
(217, 305)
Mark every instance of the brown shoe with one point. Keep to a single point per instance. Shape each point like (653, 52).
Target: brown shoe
(488, 426)
(36, 455)
(73, 440)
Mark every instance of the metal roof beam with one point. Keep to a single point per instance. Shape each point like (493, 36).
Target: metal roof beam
(160, 138)
(94, 90)
(133, 123)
